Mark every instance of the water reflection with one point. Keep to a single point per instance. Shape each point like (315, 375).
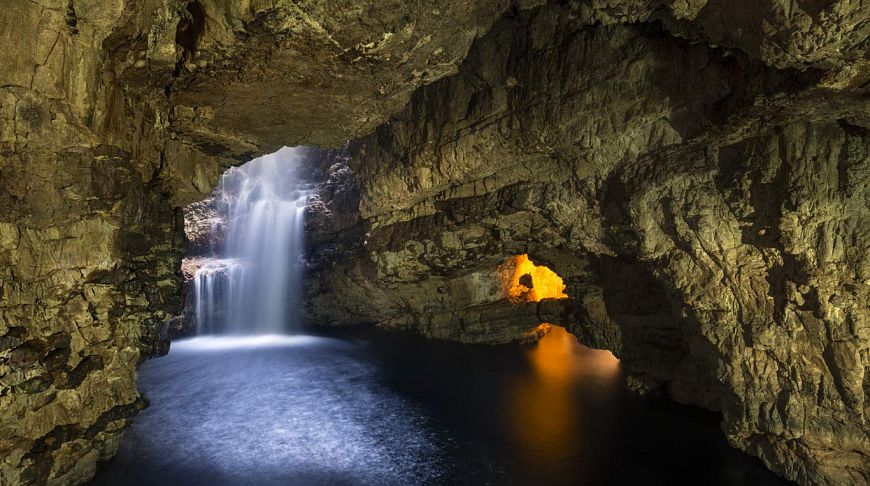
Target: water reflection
(366, 407)
(271, 410)
(543, 406)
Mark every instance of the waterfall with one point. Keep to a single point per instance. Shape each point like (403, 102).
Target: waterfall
(254, 282)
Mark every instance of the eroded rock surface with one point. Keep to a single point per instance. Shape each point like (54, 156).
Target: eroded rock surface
(707, 207)
(105, 135)
(709, 215)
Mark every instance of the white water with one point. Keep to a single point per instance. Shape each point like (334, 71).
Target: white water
(253, 284)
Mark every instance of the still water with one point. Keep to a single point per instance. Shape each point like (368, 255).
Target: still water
(371, 407)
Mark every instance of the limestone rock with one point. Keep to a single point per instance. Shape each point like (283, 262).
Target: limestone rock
(708, 213)
(204, 227)
(706, 206)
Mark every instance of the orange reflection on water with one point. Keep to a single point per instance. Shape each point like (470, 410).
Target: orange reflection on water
(544, 405)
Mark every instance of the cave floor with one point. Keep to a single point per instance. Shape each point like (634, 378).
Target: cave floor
(372, 407)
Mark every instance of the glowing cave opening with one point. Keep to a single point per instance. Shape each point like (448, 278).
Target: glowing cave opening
(523, 281)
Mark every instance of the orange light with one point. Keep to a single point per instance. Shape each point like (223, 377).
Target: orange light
(544, 408)
(524, 281)
(557, 358)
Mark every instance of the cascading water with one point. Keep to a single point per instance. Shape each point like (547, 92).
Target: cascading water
(253, 284)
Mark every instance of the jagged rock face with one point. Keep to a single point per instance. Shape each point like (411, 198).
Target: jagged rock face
(745, 289)
(320, 72)
(89, 249)
(708, 214)
(115, 115)
(204, 227)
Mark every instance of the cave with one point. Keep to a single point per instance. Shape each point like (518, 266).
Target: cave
(676, 190)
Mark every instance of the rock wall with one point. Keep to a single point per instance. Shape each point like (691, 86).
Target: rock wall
(89, 249)
(708, 212)
(115, 115)
(556, 137)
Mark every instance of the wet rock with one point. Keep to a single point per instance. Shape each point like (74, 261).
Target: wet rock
(710, 230)
(204, 227)
(706, 206)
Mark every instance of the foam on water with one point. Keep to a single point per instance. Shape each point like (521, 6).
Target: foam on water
(273, 409)
(224, 343)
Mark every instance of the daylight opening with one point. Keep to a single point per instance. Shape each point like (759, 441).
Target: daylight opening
(523, 281)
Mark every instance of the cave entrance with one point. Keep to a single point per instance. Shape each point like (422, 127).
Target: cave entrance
(523, 281)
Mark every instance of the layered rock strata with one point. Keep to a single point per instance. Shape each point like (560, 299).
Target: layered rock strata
(707, 207)
(708, 213)
(115, 115)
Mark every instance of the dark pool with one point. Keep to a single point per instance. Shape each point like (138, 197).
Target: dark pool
(371, 407)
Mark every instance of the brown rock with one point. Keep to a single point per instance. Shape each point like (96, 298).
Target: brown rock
(707, 211)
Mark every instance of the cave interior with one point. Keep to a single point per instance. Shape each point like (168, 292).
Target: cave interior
(683, 183)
